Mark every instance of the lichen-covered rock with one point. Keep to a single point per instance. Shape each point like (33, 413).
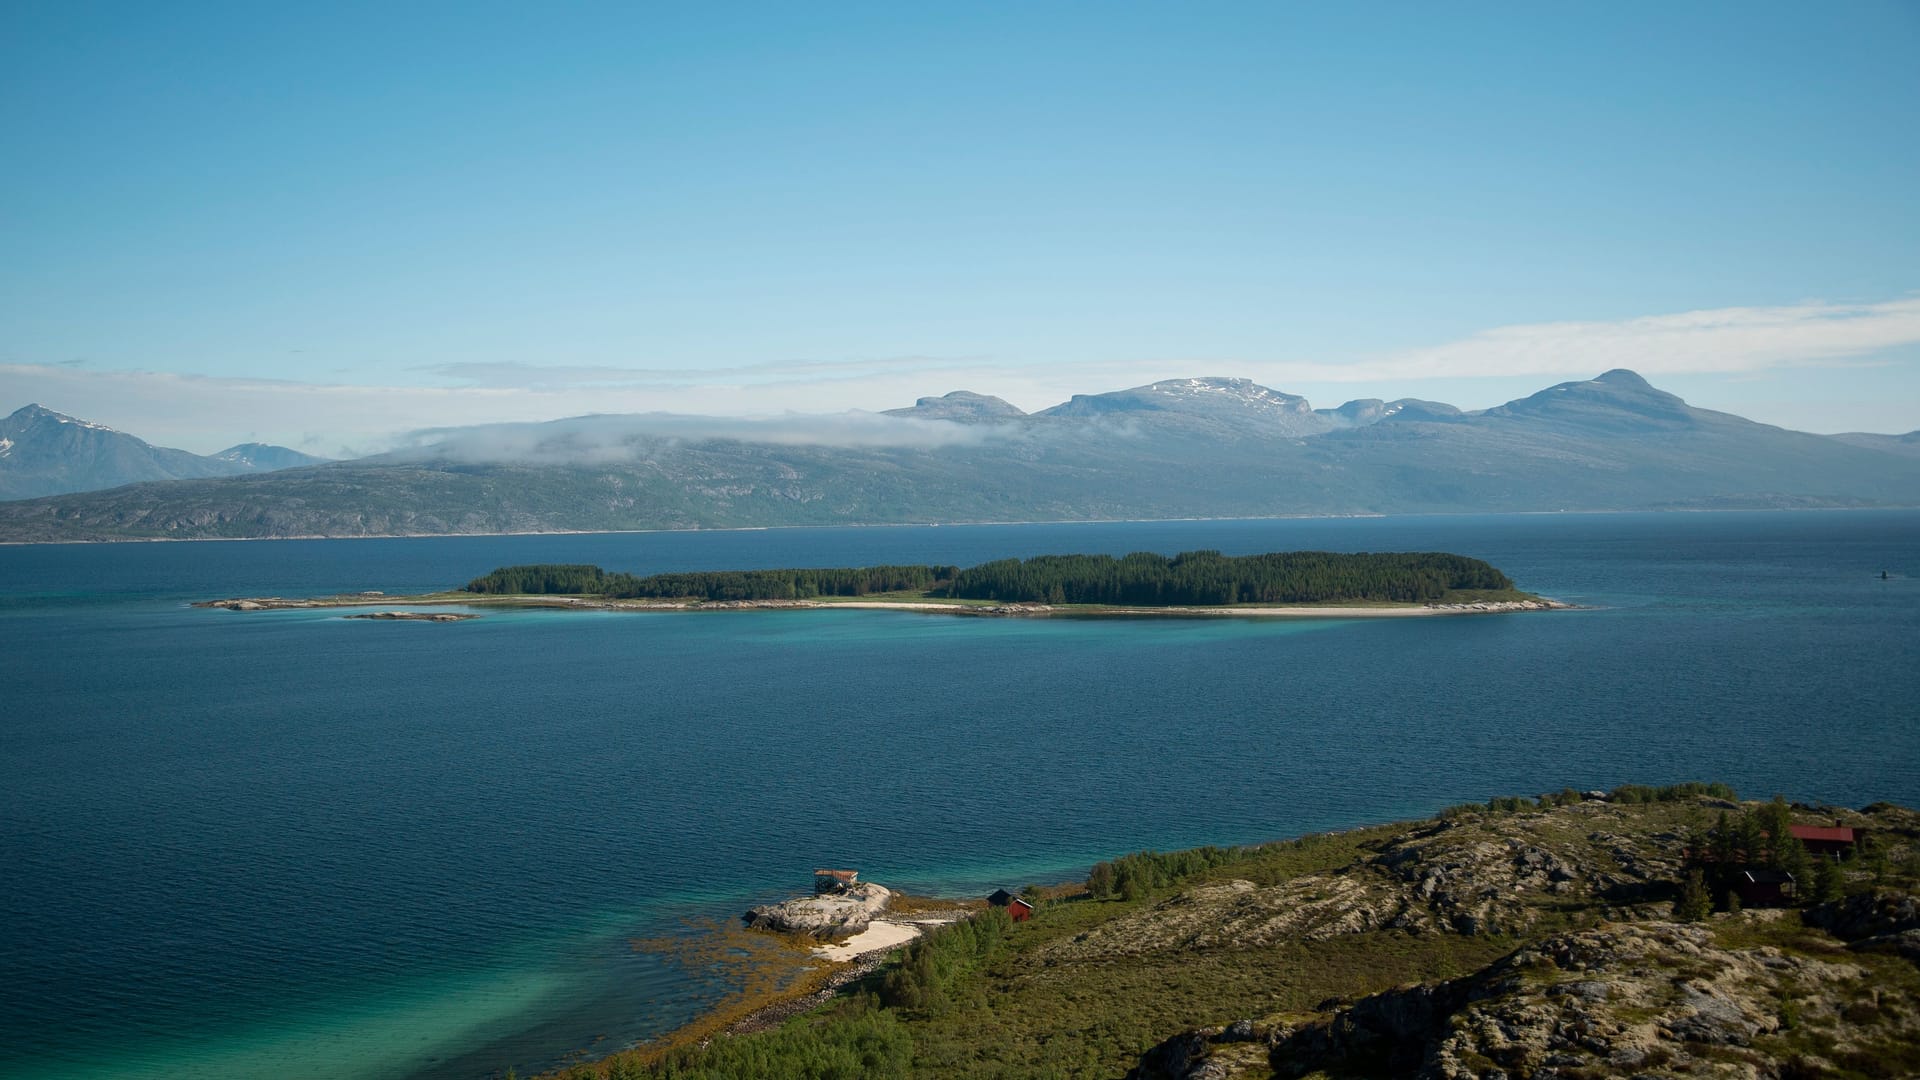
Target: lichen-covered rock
(1178, 1058)
(1495, 875)
(830, 916)
(1652, 998)
(1867, 915)
(1238, 1031)
(1204, 1054)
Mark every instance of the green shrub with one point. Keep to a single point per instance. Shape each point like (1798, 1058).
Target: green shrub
(928, 968)
(1640, 793)
(863, 1043)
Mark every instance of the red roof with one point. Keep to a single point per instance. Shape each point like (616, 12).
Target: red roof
(1837, 834)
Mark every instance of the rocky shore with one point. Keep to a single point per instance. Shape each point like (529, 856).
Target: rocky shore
(831, 915)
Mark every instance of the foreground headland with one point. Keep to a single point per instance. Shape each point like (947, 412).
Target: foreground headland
(1659, 932)
(1201, 583)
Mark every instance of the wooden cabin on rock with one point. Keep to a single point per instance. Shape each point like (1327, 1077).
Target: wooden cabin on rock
(829, 882)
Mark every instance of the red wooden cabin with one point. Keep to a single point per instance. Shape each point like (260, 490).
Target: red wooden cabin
(1830, 842)
(1017, 909)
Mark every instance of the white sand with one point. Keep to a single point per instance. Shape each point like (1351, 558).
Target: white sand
(877, 937)
(1258, 612)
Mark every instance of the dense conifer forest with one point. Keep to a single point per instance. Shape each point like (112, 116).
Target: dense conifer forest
(713, 584)
(1141, 579)
(1208, 577)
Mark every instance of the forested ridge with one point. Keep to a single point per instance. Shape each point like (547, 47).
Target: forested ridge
(1208, 577)
(1142, 579)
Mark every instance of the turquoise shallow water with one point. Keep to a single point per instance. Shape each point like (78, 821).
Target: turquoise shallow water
(291, 844)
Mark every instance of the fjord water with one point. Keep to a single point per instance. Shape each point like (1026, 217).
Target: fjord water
(290, 844)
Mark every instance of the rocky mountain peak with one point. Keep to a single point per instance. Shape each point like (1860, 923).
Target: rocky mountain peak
(36, 413)
(265, 457)
(1224, 403)
(1239, 391)
(1622, 378)
(43, 452)
(964, 406)
(1618, 400)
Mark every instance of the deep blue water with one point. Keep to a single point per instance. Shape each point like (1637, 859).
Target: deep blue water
(289, 844)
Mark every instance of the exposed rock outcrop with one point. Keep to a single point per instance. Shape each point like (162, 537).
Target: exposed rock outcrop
(1203, 1054)
(1654, 998)
(1496, 875)
(829, 916)
(1879, 921)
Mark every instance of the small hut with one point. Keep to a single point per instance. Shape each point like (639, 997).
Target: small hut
(826, 882)
(1761, 887)
(1017, 908)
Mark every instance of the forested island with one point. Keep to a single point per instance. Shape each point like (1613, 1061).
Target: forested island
(1301, 584)
(1142, 579)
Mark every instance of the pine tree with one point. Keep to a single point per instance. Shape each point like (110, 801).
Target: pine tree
(1695, 904)
(1777, 820)
(1725, 843)
(1753, 841)
(1827, 883)
(1794, 860)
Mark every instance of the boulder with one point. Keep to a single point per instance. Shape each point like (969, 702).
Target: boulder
(1183, 1057)
(830, 916)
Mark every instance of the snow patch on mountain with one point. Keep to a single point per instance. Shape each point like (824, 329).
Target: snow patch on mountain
(1243, 391)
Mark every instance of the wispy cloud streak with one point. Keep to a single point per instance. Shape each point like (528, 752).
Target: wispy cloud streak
(588, 440)
(1713, 341)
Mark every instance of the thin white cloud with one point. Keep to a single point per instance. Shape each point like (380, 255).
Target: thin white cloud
(1712, 341)
(597, 440)
(528, 376)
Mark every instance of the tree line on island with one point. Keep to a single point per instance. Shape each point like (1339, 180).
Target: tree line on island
(1141, 579)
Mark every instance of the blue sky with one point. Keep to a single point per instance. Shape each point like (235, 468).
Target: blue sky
(326, 225)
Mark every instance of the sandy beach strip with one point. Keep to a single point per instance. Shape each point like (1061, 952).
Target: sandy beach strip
(879, 936)
(1014, 610)
(1289, 612)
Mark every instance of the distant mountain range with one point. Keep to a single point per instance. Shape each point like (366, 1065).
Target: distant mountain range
(1180, 448)
(43, 452)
